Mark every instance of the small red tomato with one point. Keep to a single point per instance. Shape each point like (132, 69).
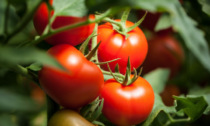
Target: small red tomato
(80, 84)
(73, 36)
(164, 52)
(168, 92)
(115, 45)
(127, 105)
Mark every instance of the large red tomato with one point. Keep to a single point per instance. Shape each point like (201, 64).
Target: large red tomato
(73, 36)
(78, 85)
(115, 45)
(164, 52)
(127, 105)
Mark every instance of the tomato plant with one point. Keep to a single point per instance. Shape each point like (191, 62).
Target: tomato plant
(73, 36)
(68, 118)
(75, 81)
(164, 52)
(76, 86)
(115, 45)
(127, 105)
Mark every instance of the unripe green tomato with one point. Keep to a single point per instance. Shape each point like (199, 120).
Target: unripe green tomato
(68, 118)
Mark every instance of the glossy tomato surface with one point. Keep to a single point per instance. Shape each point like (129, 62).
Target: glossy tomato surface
(68, 118)
(115, 45)
(73, 36)
(78, 85)
(127, 105)
(164, 52)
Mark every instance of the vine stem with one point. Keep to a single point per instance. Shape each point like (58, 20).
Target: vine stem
(98, 19)
(115, 74)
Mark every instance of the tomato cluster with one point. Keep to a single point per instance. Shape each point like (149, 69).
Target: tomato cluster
(81, 81)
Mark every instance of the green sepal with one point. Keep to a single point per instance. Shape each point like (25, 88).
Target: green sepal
(128, 73)
(92, 52)
(113, 74)
(137, 23)
(84, 45)
(93, 110)
(117, 68)
(102, 63)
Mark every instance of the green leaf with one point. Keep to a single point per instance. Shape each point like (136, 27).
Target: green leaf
(75, 8)
(20, 6)
(158, 107)
(157, 79)
(188, 109)
(2, 13)
(7, 120)
(193, 107)
(14, 102)
(163, 23)
(205, 92)
(35, 67)
(25, 55)
(193, 37)
(205, 6)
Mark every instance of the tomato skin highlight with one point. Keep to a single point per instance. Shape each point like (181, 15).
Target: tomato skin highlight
(127, 105)
(114, 45)
(164, 52)
(68, 118)
(79, 85)
(73, 36)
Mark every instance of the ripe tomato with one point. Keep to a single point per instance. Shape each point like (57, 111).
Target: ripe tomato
(168, 92)
(115, 45)
(127, 105)
(78, 85)
(164, 52)
(68, 118)
(73, 36)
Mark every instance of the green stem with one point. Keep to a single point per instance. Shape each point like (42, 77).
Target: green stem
(94, 44)
(26, 19)
(115, 74)
(171, 120)
(101, 17)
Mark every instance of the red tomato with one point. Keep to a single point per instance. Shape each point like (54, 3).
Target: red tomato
(78, 85)
(73, 36)
(115, 45)
(164, 52)
(127, 105)
(168, 92)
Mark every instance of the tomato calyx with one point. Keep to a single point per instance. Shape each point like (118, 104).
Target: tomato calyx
(120, 27)
(92, 55)
(125, 79)
(93, 110)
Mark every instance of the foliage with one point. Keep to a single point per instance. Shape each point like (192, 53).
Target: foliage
(23, 52)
